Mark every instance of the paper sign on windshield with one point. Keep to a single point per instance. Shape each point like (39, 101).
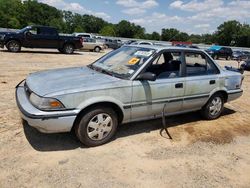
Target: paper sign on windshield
(143, 53)
(133, 61)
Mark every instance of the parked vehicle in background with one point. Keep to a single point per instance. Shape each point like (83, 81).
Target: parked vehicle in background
(142, 43)
(39, 37)
(187, 46)
(217, 52)
(83, 35)
(129, 84)
(92, 45)
(247, 54)
(238, 55)
(246, 65)
(113, 43)
(129, 42)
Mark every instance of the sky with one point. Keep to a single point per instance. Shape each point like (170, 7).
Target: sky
(191, 16)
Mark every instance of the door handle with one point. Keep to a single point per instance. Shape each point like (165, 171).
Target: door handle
(179, 85)
(212, 82)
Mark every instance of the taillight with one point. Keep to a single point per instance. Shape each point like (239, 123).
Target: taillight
(81, 40)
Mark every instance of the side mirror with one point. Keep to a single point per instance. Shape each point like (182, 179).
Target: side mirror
(147, 76)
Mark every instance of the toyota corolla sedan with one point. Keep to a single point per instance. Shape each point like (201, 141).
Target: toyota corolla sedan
(129, 84)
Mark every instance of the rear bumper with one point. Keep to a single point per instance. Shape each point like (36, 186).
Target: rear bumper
(234, 94)
(46, 122)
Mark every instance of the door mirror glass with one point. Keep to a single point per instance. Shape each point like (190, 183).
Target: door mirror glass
(147, 76)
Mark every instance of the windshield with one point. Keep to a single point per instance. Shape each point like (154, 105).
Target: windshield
(124, 62)
(24, 29)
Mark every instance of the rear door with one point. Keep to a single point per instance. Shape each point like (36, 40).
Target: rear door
(202, 77)
(49, 38)
(149, 97)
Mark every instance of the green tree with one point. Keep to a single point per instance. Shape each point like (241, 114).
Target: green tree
(124, 29)
(155, 36)
(108, 30)
(228, 32)
(169, 34)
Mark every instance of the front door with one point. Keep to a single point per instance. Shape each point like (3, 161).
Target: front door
(149, 97)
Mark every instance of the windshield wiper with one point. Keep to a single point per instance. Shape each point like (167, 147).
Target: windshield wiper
(98, 69)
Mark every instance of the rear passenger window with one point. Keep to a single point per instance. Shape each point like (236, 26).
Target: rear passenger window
(197, 64)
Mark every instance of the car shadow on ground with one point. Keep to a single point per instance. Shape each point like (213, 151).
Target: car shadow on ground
(42, 52)
(68, 141)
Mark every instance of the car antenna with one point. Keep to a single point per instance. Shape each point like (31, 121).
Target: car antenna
(164, 123)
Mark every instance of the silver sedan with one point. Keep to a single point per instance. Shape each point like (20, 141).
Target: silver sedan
(129, 84)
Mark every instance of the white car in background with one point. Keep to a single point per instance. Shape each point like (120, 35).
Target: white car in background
(142, 43)
(83, 35)
(92, 45)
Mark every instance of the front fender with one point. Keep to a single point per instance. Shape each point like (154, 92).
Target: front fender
(103, 99)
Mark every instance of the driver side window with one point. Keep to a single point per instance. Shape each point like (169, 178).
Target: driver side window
(166, 65)
(33, 31)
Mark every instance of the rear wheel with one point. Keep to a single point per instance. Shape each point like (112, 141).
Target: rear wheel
(68, 49)
(97, 49)
(97, 126)
(13, 46)
(228, 58)
(216, 57)
(214, 107)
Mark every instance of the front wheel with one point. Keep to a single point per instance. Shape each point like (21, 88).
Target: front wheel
(214, 107)
(13, 46)
(97, 126)
(68, 49)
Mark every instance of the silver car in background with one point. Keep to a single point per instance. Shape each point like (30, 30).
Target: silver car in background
(128, 84)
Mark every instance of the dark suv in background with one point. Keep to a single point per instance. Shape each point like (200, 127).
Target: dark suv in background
(217, 52)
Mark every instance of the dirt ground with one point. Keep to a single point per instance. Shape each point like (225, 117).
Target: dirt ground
(201, 153)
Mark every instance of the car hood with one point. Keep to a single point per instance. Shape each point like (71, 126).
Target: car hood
(6, 33)
(68, 80)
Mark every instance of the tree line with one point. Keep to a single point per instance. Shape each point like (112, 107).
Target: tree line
(17, 14)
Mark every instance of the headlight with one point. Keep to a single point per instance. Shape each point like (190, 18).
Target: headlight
(45, 103)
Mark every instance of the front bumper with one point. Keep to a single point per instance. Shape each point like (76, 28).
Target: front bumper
(44, 121)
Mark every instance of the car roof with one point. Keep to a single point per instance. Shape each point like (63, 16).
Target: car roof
(161, 47)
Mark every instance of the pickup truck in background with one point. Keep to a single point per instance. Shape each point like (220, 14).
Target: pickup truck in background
(39, 37)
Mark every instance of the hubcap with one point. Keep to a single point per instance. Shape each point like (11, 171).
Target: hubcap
(69, 49)
(14, 46)
(215, 106)
(99, 126)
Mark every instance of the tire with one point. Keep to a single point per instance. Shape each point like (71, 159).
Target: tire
(216, 57)
(13, 46)
(68, 49)
(228, 58)
(97, 49)
(214, 107)
(97, 126)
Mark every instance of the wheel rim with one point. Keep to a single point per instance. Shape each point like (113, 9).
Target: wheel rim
(14, 47)
(68, 49)
(97, 49)
(99, 126)
(215, 106)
